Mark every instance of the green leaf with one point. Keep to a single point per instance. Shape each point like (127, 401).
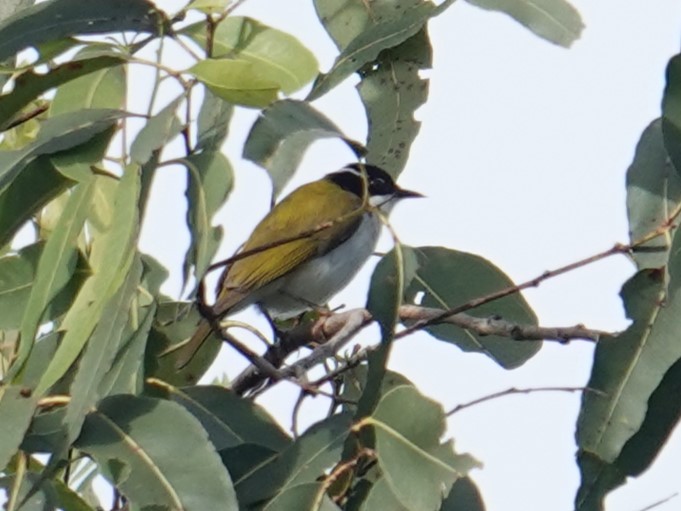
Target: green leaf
(209, 183)
(57, 134)
(55, 268)
(102, 88)
(277, 55)
(281, 134)
(303, 497)
(230, 420)
(418, 469)
(157, 455)
(213, 122)
(29, 85)
(157, 132)
(38, 184)
(671, 111)
(448, 278)
(110, 259)
(238, 81)
(554, 20)
(464, 496)
(629, 367)
(98, 355)
(57, 19)
(380, 496)
(302, 462)
(175, 323)
(653, 192)
(374, 38)
(662, 416)
(16, 409)
(126, 375)
(391, 91)
(209, 6)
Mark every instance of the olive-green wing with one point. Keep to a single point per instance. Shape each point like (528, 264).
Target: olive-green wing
(293, 216)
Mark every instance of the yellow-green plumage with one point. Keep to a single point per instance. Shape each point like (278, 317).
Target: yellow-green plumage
(304, 210)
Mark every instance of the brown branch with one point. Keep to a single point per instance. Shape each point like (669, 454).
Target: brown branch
(501, 327)
(660, 502)
(513, 390)
(27, 116)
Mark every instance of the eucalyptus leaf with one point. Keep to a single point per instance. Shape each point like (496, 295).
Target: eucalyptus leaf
(157, 455)
(278, 55)
(653, 192)
(230, 420)
(213, 122)
(31, 190)
(55, 268)
(279, 137)
(449, 278)
(210, 180)
(464, 496)
(663, 414)
(56, 19)
(57, 134)
(110, 258)
(302, 497)
(157, 132)
(366, 46)
(415, 465)
(302, 462)
(30, 85)
(629, 367)
(17, 405)
(557, 21)
(671, 111)
(238, 81)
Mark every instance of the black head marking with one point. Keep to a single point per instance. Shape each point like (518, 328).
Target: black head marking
(350, 178)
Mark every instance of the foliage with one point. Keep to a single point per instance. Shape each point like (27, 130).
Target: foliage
(85, 330)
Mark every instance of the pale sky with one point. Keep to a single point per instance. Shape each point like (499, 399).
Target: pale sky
(522, 155)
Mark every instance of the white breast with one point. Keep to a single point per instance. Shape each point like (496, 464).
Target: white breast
(316, 281)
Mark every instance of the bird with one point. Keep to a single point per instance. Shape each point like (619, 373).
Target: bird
(306, 249)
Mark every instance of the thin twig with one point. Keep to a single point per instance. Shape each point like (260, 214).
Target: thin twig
(26, 117)
(513, 390)
(660, 502)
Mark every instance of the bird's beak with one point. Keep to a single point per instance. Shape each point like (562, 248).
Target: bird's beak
(401, 193)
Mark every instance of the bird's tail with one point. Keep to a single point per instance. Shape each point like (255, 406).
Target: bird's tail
(186, 351)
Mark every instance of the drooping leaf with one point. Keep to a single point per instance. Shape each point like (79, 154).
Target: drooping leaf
(629, 367)
(156, 454)
(238, 81)
(158, 131)
(281, 134)
(17, 405)
(406, 19)
(55, 268)
(56, 19)
(175, 323)
(671, 112)
(392, 90)
(554, 20)
(230, 420)
(29, 85)
(303, 497)
(17, 273)
(417, 467)
(662, 416)
(110, 259)
(9, 8)
(653, 192)
(126, 374)
(98, 355)
(57, 134)
(318, 449)
(31, 190)
(209, 6)
(209, 183)
(448, 278)
(277, 55)
(213, 122)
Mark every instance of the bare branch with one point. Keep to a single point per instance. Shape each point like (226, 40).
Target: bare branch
(511, 391)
